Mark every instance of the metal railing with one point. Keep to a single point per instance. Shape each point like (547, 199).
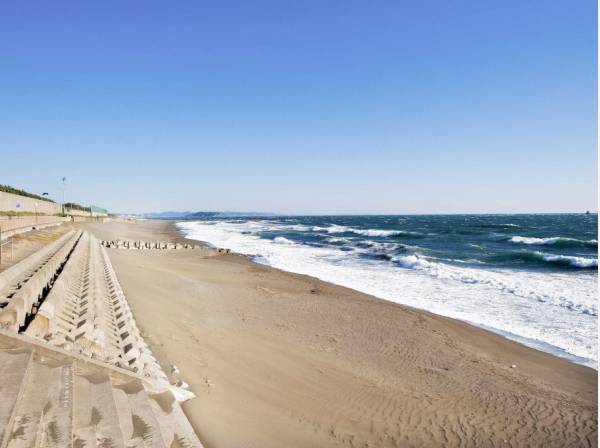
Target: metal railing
(6, 243)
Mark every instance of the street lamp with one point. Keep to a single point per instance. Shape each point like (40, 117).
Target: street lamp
(63, 183)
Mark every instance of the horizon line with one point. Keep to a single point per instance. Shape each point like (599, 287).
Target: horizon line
(276, 214)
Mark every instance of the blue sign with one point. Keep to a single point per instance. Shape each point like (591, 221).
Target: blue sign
(18, 205)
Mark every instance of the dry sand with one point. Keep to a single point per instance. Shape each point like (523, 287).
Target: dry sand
(24, 244)
(285, 360)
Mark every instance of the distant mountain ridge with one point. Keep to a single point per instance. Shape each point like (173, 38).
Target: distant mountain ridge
(203, 215)
(165, 215)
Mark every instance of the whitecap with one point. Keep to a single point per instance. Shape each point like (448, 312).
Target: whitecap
(548, 241)
(282, 240)
(364, 232)
(576, 262)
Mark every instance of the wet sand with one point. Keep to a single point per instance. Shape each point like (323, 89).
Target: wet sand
(285, 360)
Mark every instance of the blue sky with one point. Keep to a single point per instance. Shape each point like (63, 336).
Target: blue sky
(302, 106)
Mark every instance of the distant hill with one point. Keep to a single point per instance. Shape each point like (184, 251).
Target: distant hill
(166, 215)
(204, 215)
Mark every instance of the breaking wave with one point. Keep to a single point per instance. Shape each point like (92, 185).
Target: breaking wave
(567, 261)
(576, 262)
(553, 241)
(365, 232)
(283, 240)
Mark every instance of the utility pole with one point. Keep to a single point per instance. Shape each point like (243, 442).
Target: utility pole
(64, 190)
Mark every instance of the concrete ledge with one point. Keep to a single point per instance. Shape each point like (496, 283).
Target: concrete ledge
(8, 233)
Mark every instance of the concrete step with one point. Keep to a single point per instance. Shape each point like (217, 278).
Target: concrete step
(51, 399)
(174, 425)
(14, 361)
(86, 309)
(76, 371)
(138, 422)
(16, 273)
(95, 421)
(43, 413)
(27, 282)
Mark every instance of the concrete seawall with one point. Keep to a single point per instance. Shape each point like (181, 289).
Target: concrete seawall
(76, 370)
(17, 203)
(76, 212)
(11, 225)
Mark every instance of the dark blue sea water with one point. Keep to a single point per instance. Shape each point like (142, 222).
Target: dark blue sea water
(531, 277)
(533, 242)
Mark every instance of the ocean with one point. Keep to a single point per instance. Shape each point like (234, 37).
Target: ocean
(532, 278)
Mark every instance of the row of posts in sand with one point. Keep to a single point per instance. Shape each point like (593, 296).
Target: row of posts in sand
(137, 244)
(151, 245)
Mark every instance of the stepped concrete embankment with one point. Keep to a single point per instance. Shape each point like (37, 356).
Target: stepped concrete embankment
(76, 369)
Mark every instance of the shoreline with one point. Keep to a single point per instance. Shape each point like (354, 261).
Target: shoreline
(532, 343)
(330, 366)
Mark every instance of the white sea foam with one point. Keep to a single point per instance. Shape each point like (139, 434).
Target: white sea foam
(331, 229)
(578, 262)
(297, 227)
(387, 247)
(412, 262)
(283, 240)
(364, 232)
(547, 241)
(338, 240)
(554, 311)
(377, 232)
(496, 280)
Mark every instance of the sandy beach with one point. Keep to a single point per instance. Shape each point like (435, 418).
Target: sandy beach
(302, 224)
(284, 360)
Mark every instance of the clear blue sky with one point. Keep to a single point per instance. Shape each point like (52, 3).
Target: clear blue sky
(302, 106)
